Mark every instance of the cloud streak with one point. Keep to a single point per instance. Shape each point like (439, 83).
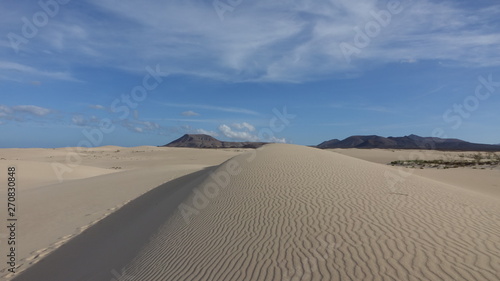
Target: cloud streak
(13, 70)
(32, 109)
(214, 108)
(295, 41)
(20, 112)
(189, 113)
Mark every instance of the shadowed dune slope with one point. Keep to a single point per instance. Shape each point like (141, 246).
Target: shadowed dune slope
(286, 212)
(101, 250)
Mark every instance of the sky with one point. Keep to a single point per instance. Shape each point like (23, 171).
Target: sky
(131, 73)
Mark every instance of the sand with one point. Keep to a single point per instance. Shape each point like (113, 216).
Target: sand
(52, 211)
(287, 212)
(482, 181)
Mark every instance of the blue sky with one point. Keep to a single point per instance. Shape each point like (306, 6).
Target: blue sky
(134, 73)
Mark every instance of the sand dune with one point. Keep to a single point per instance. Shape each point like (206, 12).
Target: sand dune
(483, 181)
(288, 212)
(52, 213)
(41, 174)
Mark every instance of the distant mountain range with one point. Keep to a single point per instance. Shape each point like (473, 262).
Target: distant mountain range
(372, 141)
(206, 141)
(407, 142)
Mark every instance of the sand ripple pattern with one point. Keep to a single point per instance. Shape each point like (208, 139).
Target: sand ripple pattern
(299, 213)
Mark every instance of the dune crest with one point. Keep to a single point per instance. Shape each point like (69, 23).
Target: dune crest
(286, 212)
(297, 212)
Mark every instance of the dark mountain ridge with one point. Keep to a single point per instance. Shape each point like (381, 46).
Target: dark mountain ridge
(407, 142)
(206, 141)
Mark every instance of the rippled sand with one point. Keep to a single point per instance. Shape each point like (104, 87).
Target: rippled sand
(287, 212)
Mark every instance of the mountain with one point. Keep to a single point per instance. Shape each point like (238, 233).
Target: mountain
(206, 141)
(328, 143)
(406, 142)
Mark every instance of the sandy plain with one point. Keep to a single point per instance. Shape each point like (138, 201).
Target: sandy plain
(281, 212)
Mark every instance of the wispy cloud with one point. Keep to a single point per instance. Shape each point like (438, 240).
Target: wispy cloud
(214, 108)
(294, 41)
(186, 120)
(32, 109)
(20, 112)
(140, 126)
(337, 124)
(83, 121)
(428, 93)
(374, 108)
(189, 113)
(206, 132)
(134, 125)
(97, 106)
(12, 70)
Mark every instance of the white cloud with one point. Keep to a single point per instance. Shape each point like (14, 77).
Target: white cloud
(205, 132)
(148, 125)
(246, 132)
(189, 113)
(295, 41)
(237, 135)
(244, 125)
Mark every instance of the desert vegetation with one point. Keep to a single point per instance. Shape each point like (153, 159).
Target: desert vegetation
(476, 160)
